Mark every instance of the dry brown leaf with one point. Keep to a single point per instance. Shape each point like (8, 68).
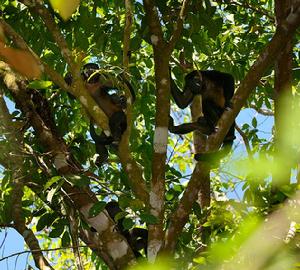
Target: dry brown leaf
(21, 61)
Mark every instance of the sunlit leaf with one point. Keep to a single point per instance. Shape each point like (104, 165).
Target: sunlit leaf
(52, 181)
(65, 8)
(37, 84)
(148, 218)
(50, 194)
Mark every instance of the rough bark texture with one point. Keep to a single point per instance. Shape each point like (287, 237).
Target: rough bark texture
(199, 145)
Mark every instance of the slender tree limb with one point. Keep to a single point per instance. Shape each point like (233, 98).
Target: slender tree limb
(199, 144)
(246, 141)
(259, 10)
(134, 171)
(178, 26)
(204, 195)
(265, 112)
(37, 7)
(127, 33)
(154, 24)
(179, 218)
(20, 43)
(43, 250)
(74, 220)
(283, 95)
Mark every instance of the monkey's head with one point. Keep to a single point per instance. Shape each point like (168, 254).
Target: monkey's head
(90, 73)
(194, 82)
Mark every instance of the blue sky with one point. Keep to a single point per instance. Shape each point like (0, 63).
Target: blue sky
(11, 242)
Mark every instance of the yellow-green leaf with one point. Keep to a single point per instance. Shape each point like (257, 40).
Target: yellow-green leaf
(65, 8)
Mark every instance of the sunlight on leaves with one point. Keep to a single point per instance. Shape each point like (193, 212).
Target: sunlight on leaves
(65, 8)
(160, 264)
(287, 153)
(224, 251)
(259, 243)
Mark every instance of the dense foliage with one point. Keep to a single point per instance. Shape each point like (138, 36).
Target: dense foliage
(250, 198)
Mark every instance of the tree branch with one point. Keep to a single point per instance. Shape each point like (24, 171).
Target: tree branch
(78, 88)
(260, 10)
(16, 166)
(246, 141)
(262, 111)
(266, 58)
(134, 171)
(82, 198)
(178, 26)
(179, 218)
(43, 250)
(156, 32)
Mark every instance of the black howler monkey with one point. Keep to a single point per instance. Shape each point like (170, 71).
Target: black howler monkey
(216, 89)
(137, 238)
(113, 106)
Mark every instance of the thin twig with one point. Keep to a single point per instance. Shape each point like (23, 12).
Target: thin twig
(246, 141)
(178, 26)
(43, 250)
(265, 112)
(261, 11)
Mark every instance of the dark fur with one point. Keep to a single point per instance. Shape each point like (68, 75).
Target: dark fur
(216, 89)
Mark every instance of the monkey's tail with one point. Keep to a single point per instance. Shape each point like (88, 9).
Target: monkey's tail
(128, 84)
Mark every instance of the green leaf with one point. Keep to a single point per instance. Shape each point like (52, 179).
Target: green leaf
(254, 122)
(148, 218)
(38, 84)
(45, 220)
(169, 196)
(97, 208)
(127, 223)
(65, 240)
(120, 216)
(52, 180)
(56, 232)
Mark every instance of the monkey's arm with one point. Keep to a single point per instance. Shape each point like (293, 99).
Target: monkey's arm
(181, 98)
(228, 86)
(200, 125)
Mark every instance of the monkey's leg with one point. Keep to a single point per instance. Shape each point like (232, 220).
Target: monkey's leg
(103, 154)
(212, 114)
(117, 124)
(100, 144)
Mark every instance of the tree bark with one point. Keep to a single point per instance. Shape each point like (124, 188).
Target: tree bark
(282, 91)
